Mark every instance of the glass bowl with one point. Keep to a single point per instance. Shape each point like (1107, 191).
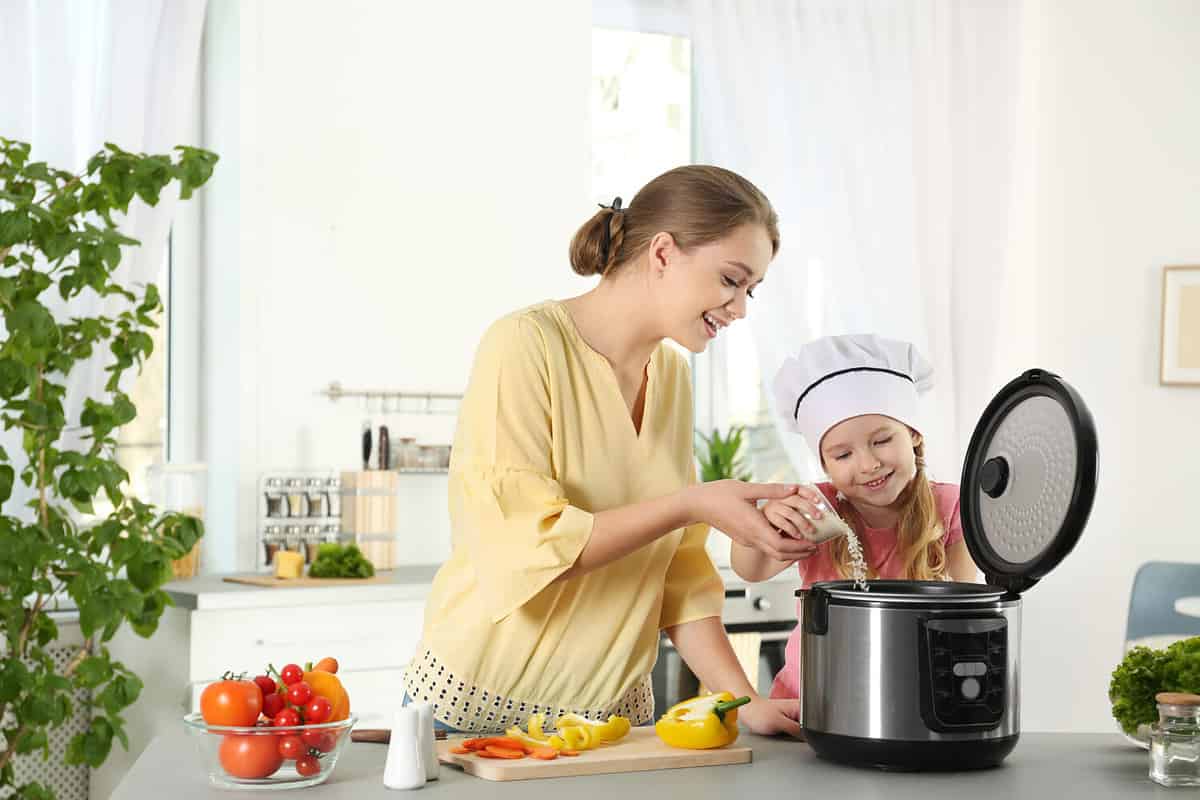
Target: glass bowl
(253, 757)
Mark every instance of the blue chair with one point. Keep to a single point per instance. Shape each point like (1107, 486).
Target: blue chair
(1156, 588)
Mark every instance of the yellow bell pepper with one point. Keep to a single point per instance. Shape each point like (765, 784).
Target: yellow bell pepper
(536, 723)
(701, 723)
(578, 737)
(612, 730)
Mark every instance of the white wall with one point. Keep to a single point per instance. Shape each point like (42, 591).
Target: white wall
(1116, 178)
(407, 173)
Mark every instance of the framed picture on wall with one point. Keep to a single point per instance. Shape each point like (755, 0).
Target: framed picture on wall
(1181, 326)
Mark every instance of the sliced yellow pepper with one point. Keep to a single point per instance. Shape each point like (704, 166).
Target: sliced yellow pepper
(701, 723)
(578, 738)
(524, 738)
(612, 730)
(536, 723)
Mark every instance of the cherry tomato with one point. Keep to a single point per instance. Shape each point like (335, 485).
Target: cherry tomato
(317, 711)
(287, 716)
(307, 765)
(291, 674)
(266, 683)
(322, 740)
(273, 704)
(250, 756)
(231, 702)
(299, 693)
(291, 747)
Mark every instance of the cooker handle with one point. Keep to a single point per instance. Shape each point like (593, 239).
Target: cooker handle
(815, 603)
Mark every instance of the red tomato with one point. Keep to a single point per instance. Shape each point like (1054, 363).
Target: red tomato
(322, 740)
(290, 747)
(291, 674)
(231, 703)
(250, 756)
(299, 693)
(317, 710)
(266, 683)
(273, 704)
(307, 765)
(287, 716)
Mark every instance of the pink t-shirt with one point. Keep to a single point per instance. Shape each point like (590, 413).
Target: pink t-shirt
(879, 547)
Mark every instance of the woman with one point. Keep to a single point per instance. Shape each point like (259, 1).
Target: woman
(578, 526)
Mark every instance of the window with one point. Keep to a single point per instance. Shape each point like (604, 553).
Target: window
(642, 115)
(143, 441)
(641, 109)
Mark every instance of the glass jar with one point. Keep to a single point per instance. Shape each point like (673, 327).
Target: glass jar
(406, 453)
(182, 488)
(1175, 740)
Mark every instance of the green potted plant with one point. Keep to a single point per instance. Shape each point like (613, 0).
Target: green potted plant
(58, 234)
(719, 457)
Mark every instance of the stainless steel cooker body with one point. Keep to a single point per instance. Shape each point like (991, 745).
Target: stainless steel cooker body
(911, 675)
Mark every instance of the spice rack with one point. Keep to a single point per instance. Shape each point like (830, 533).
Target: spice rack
(298, 510)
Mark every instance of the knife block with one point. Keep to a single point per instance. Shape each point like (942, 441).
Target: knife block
(369, 514)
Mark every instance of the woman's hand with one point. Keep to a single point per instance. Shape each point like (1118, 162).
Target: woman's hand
(731, 507)
(770, 716)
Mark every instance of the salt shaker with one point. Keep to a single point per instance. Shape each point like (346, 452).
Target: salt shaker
(428, 740)
(405, 768)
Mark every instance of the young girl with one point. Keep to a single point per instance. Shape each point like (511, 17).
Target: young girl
(855, 400)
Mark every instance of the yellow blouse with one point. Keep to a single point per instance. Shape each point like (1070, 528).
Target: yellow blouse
(544, 440)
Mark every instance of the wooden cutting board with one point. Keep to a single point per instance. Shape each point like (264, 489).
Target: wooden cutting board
(639, 751)
(271, 581)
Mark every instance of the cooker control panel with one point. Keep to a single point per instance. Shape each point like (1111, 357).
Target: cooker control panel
(964, 664)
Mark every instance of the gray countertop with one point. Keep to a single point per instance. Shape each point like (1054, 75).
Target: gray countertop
(1062, 766)
(214, 592)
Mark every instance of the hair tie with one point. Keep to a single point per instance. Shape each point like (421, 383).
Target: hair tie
(604, 234)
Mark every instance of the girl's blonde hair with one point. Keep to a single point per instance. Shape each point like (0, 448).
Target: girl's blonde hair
(919, 532)
(696, 204)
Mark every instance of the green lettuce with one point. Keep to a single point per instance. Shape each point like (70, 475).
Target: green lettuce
(336, 561)
(1144, 672)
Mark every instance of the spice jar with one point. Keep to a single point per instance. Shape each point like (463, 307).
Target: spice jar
(272, 542)
(1175, 740)
(316, 498)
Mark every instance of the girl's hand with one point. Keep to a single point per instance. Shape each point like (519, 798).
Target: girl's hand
(794, 514)
(770, 716)
(731, 507)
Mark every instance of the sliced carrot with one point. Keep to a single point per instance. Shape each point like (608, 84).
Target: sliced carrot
(460, 751)
(486, 754)
(544, 753)
(504, 752)
(568, 752)
(475, 744)
(507, 742)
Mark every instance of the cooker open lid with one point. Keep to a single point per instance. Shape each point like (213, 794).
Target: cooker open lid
(1028, 480)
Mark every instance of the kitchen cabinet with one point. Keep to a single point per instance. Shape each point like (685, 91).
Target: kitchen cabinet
(216, 626)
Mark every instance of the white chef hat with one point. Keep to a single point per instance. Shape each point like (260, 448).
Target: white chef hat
(838, 377)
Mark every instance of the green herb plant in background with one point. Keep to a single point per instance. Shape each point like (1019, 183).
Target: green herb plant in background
(719, 456)
(58, 235)
(1144, 672)
(336, 561)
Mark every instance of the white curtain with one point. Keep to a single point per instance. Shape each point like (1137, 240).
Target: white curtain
(883, 131)
(77, 74)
